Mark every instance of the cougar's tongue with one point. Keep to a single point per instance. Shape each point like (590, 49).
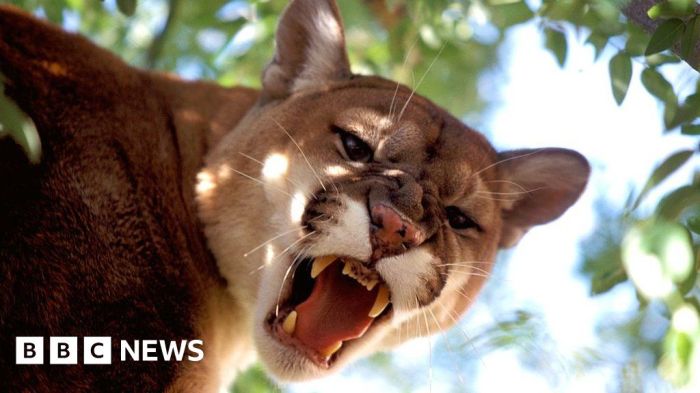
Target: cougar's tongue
(337, 310)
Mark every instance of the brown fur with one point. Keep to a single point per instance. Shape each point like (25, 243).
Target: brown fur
(100, 238)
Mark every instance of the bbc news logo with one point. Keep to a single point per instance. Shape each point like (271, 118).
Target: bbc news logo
(98, 350)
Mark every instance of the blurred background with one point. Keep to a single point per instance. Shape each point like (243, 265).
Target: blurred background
(605, 299)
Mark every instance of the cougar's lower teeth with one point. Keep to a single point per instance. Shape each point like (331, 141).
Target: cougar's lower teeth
(331, 349)
(290, 323)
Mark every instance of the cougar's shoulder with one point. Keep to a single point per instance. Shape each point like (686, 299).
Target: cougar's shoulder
(100, 238)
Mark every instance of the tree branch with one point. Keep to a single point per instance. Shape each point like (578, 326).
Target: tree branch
(636, 12)
(156, 48)
(387, 16)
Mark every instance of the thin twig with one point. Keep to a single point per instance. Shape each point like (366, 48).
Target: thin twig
(158, 43)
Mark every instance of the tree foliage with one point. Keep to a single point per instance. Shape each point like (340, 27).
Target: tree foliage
(656, 251)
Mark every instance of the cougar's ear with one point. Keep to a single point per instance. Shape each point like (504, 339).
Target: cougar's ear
(310, 49)
(541, 184)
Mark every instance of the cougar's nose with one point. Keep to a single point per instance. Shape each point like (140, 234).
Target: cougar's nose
(390, 233)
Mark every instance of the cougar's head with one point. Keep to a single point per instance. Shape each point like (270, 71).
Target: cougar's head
(349, 214)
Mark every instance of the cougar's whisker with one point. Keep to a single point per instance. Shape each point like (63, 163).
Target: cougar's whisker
(301, 239)
(467, 265)
(507, 182)
(251, 158)
(302, 154)
(467, 273)
(262, 266)
(430, 351)
(445, 338)
(505, 160)
(470, 261)
(467, 339)
(421, 80)
(512, 192)
(279, 294)
(478, 269)
(289, 269)
(405, 61)
(496, 199)
(261, 245)
(249, 177)
(286, 177)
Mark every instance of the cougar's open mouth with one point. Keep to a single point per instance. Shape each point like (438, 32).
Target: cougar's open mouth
(330, 302)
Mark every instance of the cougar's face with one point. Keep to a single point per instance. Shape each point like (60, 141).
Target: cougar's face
(349, 214)
(383, 204)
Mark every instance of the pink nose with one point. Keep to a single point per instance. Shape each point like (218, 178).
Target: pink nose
(391, 234)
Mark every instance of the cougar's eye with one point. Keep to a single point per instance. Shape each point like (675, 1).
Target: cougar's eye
(354, 148)
(459, 220)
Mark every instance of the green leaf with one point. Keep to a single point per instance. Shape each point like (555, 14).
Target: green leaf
(687, 112)
(656, 255)
(54, 10)
(568, 10)
(599, 41)
(670, 113)
(659, 59)
(676, 252)
(686, 286)
(672, 206)
(665, 36)
(637, 41)
(555, 41)
(620, 68)
(693, 223)
(690, 129)
(678, 346)
(607, 280)
(606, 13)
(672, 8)
(655, 11)
(605, 267)
(127, 7)
(509, 14)
(18, 126)
(664, 170)
(657, 85)
(690, 37)
(602, 261)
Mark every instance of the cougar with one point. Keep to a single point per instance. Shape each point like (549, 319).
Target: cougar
(307, 225)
